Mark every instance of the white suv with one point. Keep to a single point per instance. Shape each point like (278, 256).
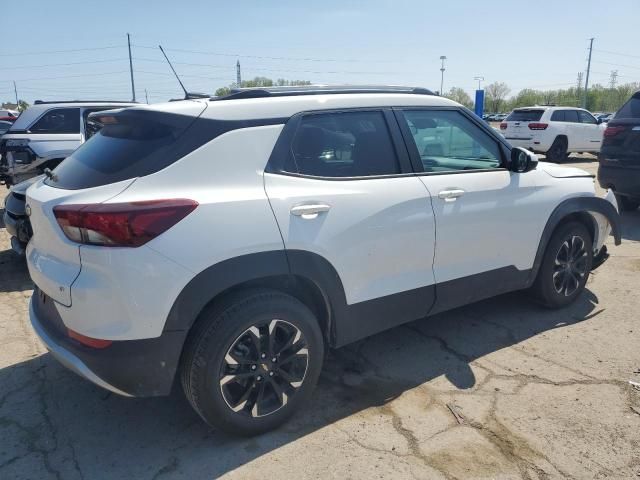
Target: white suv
(230, 240)
(555, 131)
(44, 135)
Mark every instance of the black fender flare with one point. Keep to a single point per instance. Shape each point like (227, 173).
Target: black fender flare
(214, 280)
(292, 264)
(344, 322)
(575, 205)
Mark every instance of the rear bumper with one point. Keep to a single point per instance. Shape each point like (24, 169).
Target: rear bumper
(136, 368)
(625, 181)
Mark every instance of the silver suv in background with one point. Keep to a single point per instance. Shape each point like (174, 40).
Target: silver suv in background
(44, 135)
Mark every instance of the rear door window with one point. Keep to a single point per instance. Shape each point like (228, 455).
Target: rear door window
(558, 116)
(344, 144)
(631, 109)
(58, 120)
(529, 115)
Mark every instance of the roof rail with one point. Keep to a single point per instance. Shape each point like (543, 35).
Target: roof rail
(266, 92)
(42, 102)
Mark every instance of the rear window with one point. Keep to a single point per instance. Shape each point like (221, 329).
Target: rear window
(525, 116)
(631, 109)
(132, 144)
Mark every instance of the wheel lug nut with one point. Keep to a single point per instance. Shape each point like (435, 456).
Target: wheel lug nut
(253, 367)
(274, 359)
(259, 378)
(264, 355)
(271, 374)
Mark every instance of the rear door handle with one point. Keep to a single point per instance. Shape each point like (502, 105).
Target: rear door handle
(451, 194)
(309, 211)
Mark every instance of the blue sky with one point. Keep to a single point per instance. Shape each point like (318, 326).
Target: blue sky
(539, 44)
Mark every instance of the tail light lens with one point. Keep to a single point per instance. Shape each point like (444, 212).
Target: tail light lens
(121, 224)
(538, 126)
(503, 126)
(613, 131)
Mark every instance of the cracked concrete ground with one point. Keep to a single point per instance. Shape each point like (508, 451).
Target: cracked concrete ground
(499, 389)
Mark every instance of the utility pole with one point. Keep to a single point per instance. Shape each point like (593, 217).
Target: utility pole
(613, 79)
(133, 87)
(586, 82)
(442, 58)
(238, 76)
(479, 79)
(15, 89)
(146, 96)
(578, 87)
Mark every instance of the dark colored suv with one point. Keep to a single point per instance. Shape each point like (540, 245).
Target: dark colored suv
(620, 155)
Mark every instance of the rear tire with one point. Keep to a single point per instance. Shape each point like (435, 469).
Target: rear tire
(565, 266)
(626, 204)
(558, 150)
(251, 362)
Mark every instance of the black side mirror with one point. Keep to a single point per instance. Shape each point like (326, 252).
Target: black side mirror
(522, 160)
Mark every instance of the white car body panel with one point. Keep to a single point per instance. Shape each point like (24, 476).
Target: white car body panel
(54, 260)
(490, 226)
(378, 233)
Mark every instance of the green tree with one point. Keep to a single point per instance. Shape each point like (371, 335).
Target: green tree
(496, 93)
(459, 95)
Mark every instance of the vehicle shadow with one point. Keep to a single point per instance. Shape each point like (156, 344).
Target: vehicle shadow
(95, 434)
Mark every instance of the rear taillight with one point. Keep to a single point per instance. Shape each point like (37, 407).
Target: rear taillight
(503, 126)
(613, 131)
(538, 126)
(121, 224)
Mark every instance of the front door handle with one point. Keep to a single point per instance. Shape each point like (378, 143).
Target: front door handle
(309, 211)
(451, 194)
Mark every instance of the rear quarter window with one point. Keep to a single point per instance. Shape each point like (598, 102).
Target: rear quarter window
(631, 109)
(525, 115)
(133, 144)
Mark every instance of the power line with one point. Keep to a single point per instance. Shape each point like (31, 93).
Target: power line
(261, 69)
(235, 55)
(71, 76)
(67, 64)
(617, 64)
(617, 53)
(49, 52)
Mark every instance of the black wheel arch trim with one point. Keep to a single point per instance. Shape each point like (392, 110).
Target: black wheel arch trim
(572, 206)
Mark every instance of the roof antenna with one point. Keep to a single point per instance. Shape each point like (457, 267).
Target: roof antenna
(187, 95)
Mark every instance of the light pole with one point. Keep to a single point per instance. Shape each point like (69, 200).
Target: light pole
(479, 79)
(443, 58)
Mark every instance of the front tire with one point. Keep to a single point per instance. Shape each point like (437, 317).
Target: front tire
(252, 362)
(565, 266)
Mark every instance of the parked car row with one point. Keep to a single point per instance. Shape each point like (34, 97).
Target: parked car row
(494, 117)
(228, 242)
